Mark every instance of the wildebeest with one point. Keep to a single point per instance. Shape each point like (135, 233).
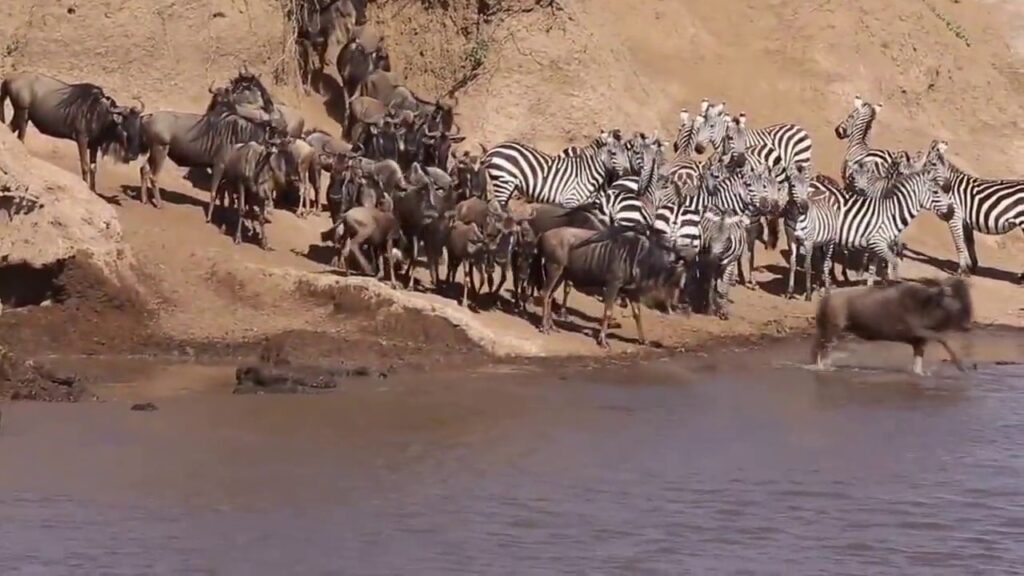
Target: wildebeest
(912, 312)
(194, 141)
(416, 209)
(80, 112)
(613, 261)
(465, 243)
(250, 172)
(317, 24)
(375, 227)
(357, 60)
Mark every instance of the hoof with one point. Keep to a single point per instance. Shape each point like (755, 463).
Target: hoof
(751, 285)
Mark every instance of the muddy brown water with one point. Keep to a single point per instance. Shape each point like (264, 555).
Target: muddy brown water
(741, 462)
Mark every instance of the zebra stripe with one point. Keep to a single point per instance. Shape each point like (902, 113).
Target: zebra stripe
(679, 225)
(539, 177)
(791, 142)
(621, 205)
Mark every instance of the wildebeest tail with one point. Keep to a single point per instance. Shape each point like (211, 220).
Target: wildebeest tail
(332, 233)
(4, 91)
(772, 233)
(537, 269)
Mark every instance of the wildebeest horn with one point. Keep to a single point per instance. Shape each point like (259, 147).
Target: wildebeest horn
(142, 105)
(210, 89)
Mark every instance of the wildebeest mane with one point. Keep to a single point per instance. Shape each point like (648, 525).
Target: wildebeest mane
(85, 105)
(226, 128)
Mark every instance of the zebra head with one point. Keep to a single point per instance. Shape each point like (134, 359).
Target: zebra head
(712, 130)
(645, 158)
(799, 178)
(763, 192)
(684, 137)
(859, 121)
(613, 155)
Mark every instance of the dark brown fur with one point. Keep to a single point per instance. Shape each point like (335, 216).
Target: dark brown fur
(910, 312)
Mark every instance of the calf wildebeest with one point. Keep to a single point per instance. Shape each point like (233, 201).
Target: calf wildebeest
(416, 209)
(80, 112)
(464, 244)
(328, 149)
(912, 312)
(250, 172)
(194, 141)
(376, 228)
(437, 148)
(524, 251)
(612, 262)
(470, 180)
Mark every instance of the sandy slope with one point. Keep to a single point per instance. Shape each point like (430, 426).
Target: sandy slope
(550, 78)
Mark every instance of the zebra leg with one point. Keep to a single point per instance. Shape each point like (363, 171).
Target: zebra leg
(826, 277)
(749, 283)
(723, 292)
(972, 253)
(793, 248)
(808, 270)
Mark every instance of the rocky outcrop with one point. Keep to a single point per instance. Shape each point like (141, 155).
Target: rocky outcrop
(47, 215)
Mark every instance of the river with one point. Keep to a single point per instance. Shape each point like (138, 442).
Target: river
(739, 463)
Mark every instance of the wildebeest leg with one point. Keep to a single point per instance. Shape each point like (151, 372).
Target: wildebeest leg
(563, 312)
(918, 367)
(412, 261)
(218, 172)
(553, 276)
(636, 308)
(83, 159)
(610, 295)
(467, 279)
(357, 241)
(925, 335)
(93, 151)
(264, 243)
(240, 193)
(149, 174)
(501, 280)
(19, 122)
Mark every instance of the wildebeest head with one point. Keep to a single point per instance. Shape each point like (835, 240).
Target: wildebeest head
(859, 119)
(941, 304)
(385, 139)
(437, 148)
(125, 130)
(247, 89)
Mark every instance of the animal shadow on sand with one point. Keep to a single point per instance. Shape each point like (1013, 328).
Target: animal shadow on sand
(167, 195)
(951, 267)
(336, 104)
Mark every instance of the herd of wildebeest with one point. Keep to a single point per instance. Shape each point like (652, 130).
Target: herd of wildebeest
(623, 218)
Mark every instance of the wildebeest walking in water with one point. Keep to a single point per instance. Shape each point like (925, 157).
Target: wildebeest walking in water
(911, 312)
(80, 112)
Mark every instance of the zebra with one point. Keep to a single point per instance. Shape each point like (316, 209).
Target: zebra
(679, 225)
(988, 206)
(875, 224)
(776, 148)
(630, 201)
(539, 177)
(683, 171)
(811, 220)
(723, 243)
(856, 130)
(620, 205)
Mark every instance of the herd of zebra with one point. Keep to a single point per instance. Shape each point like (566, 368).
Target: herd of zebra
(753, 178)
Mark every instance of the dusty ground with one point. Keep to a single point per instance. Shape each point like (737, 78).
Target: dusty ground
(548, 76)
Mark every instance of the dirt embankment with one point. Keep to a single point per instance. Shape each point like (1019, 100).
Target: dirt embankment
(550, 73)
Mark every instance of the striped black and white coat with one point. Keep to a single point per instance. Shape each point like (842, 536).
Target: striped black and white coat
(512, 167)
(987, 206)
(861, 222)
(723, 243)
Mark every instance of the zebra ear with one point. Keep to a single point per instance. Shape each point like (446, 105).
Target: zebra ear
(704, 103)
(684, 116)
(857, 101)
